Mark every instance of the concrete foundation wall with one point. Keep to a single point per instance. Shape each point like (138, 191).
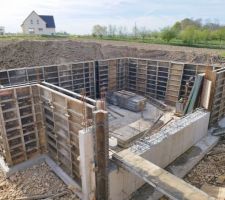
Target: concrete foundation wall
(164, 147)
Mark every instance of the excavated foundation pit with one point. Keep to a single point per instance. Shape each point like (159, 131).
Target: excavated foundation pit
(43, 109)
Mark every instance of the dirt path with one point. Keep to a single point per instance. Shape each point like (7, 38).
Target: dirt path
(37, 180)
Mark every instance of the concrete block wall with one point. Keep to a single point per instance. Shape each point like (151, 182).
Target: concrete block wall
(164, 147)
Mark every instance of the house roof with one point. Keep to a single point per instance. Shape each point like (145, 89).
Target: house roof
(50, 23)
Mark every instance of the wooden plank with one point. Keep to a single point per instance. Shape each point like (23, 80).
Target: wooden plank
(214, 191)
(206, 91)
(211, 76)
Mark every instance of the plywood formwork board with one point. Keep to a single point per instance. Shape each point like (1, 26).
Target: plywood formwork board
(206, 91)
(64, 118)
(112, 74)
(4, 145)
(72, 76)
(215, 99)
(20, 121)
(132, 75)
(43, 120)
(121, 73)
(174, 83)
(142, 76)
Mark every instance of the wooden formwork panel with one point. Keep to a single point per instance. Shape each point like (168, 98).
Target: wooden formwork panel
(174, 83)
(217, 105)
(112, 74)
(83, 77)
(142, 76)
(73, 77)
(121, 73)
(112, 66)
(64, 117)
(21, 122)
(191, 70)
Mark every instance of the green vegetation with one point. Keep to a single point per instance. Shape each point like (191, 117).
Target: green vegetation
(187, 32)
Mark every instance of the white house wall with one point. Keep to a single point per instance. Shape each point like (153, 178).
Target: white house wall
(34, 17)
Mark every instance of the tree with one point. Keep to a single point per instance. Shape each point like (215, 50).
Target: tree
(168, 34)
(154, 34)
(112, 29)
(135, 30)
(143, 32)
(177, 27)
(221, 34)
(187, 35)
(99, 31)
(204, 35)
(121, 31)
(185, 23)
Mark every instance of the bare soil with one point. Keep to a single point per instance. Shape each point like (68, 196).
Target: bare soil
(17, 54)
(38, 180)
(211, 169)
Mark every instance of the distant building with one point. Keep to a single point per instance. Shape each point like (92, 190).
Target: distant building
(2, 30)
(39, 24)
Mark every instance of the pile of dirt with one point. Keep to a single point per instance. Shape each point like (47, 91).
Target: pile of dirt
(19, 54)
(211, 169)
(36, 181)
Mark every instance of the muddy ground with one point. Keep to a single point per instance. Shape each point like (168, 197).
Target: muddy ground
(15, 54)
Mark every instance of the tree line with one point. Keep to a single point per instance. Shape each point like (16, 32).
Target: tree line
(188, 31)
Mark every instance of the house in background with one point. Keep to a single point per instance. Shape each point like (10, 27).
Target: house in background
(2, 30)
(39, 24)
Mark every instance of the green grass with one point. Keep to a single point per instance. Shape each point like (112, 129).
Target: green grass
(175, 42)
(31, 37)
(222, 54)
(214, 44)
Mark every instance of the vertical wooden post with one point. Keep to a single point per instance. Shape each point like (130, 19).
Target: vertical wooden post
(101, 151)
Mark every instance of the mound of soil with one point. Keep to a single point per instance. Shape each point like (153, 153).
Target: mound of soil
(17, 54)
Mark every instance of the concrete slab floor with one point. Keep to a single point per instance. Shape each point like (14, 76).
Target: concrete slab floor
(128, 126)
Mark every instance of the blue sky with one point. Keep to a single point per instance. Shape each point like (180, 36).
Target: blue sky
(79, 16)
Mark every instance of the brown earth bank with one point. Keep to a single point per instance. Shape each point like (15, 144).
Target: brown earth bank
(17, 54)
